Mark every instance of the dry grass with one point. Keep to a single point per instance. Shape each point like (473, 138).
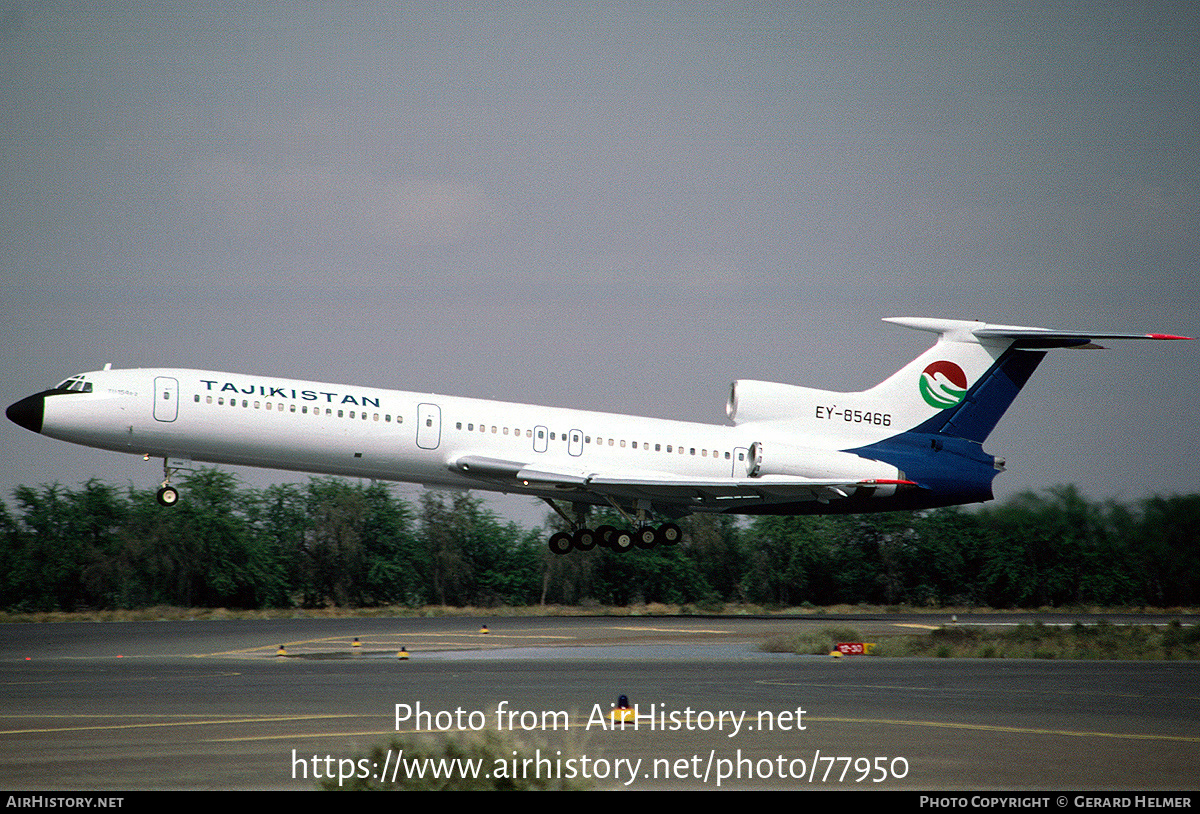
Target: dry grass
(812, 642)
(1101, 641)
(169, 613)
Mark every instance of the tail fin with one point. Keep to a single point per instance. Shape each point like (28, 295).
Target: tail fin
(950, 398)
(959, 388)
(963, 384)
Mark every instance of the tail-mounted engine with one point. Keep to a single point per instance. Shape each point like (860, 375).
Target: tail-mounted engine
(774, 458)
(751, 400)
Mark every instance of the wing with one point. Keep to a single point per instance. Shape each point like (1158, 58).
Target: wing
(682, 493)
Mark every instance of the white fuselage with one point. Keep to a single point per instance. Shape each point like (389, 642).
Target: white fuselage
(367, 432)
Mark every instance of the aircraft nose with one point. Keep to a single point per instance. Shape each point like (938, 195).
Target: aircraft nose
(28, 412)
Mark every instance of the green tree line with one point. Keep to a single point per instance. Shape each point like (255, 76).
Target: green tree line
(332, 542)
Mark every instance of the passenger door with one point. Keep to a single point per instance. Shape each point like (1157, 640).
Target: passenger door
(166, 398)
(429, 426)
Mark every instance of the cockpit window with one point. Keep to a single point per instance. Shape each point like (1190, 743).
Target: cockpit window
(76, 384)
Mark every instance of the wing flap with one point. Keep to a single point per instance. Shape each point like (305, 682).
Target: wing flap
(723, 493)
(668, 489)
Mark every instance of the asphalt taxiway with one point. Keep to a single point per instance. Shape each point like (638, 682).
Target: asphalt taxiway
(210, 705)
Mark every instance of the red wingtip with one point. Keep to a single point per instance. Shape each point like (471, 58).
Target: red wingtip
(1168, 336)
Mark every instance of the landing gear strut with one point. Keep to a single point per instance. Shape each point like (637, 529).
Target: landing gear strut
(581, 538)
(167, 495)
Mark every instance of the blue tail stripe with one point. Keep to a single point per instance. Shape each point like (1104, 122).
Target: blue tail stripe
(977, 414)
(944, 455)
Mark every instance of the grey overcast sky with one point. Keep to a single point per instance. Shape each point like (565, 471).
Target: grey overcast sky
(618, 206)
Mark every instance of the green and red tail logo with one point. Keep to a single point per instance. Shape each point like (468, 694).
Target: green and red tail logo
(943, 384)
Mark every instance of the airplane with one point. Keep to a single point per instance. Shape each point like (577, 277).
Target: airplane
(914, 441)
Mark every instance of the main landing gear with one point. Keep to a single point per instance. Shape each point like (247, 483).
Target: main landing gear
(582, 538)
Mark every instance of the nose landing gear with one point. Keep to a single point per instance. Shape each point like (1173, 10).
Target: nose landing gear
(167, 494)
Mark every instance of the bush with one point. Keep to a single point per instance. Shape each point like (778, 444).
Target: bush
(472, 761)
